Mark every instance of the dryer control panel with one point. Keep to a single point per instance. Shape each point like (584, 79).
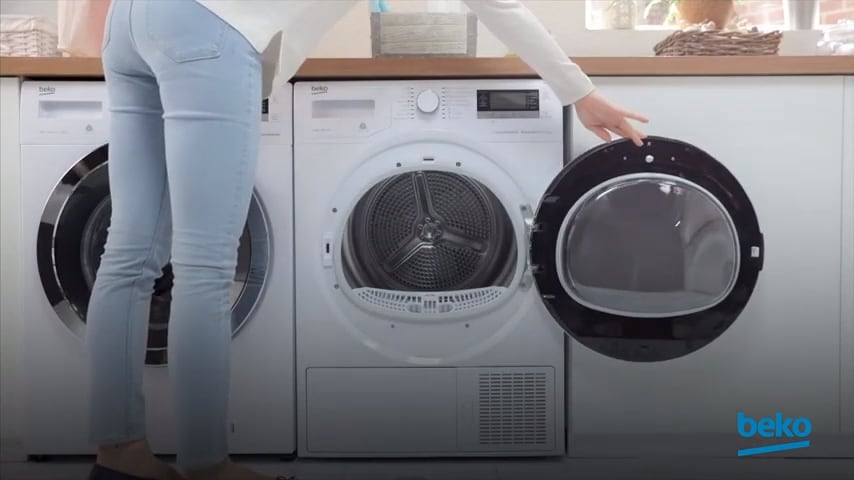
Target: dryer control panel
(517, 110)
(522, 103)
(276, 118)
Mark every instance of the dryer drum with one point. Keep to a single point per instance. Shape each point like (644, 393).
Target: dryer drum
(429, 231)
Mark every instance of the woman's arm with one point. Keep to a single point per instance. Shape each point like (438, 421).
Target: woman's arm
(523, 33)
(520, 30)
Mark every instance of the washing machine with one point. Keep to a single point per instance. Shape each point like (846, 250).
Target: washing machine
(66, 209)
(759, 174)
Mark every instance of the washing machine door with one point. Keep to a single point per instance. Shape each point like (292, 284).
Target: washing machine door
(71, 238)
(645, 253)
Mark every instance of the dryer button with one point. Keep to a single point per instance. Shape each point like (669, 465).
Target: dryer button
(427, 101)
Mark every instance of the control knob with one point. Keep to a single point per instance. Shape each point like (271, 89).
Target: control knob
(427, 101)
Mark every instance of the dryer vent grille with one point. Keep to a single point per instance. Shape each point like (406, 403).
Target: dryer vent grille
(512, 408)
(431, 304)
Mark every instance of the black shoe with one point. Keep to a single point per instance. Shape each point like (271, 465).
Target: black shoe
(103, 473)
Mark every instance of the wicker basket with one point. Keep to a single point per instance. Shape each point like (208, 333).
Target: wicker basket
(423, 34)
(719, 42)
(27, 36)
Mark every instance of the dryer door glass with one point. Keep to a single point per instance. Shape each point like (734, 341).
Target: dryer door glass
(72, 236)
(646, 253)
(648, 245)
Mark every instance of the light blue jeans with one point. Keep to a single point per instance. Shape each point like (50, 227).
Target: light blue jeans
(185, 99)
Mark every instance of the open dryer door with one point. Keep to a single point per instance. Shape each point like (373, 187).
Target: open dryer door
(645, 253)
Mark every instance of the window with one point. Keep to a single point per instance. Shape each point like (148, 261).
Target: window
(655, 14)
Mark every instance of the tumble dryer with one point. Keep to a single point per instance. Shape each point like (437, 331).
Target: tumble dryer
(446, 240)
(66, 212)
(419, 331)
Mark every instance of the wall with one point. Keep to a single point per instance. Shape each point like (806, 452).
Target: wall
(46, 8)
(10, 417)
(564, 18)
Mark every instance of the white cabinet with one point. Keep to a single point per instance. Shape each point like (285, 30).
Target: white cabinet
(10, 207)
(847, 331)
(781, 138)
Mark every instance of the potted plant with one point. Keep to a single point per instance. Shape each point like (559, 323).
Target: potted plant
(621, 14)
(692, 12)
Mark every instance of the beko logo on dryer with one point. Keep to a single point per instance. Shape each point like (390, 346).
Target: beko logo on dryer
(319, 89)
(776, 430)
(47, 90)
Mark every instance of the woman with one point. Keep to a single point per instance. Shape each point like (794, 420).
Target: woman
(185, 85)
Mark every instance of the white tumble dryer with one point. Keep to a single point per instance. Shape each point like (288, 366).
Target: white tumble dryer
(66, 208)
(419, 330)
(443, 247)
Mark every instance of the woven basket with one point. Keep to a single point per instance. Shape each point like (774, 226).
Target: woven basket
(27, 36)
(719, 42)
(423, 34)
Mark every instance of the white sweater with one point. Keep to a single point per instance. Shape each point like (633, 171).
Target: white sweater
(303, 23)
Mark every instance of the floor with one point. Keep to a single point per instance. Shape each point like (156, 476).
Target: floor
(536, 469)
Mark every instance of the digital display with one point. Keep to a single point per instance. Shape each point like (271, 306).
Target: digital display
(508, 100)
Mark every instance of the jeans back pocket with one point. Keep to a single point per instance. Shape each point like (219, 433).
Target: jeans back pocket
(184, 30)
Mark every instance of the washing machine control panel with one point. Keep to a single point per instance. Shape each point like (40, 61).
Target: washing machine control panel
(64, 113)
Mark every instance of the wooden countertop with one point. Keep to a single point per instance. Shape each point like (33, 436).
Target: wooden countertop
(385, 68)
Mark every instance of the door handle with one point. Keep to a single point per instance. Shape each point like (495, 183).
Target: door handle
(326, 252)
(527, 274)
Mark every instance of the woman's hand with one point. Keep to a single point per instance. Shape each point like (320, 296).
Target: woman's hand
(601, 116)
